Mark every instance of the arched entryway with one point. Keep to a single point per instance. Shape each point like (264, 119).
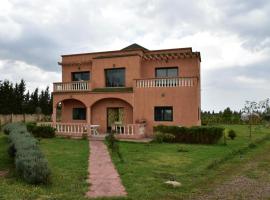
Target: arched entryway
(108, 111)
(71, 111)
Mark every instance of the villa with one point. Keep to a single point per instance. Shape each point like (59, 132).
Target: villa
(129, 90)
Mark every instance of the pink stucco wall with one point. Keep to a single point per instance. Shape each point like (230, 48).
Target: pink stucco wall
(139, 104)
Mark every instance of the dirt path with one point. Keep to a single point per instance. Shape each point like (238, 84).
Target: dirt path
(251, 181)
(103, 178)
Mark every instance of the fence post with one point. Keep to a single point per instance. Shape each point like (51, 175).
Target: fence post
(11, 118)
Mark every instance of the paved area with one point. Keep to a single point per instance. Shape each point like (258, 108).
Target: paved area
(103, 178)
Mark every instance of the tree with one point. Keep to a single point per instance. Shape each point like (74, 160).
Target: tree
(15, 100)
(252, 112)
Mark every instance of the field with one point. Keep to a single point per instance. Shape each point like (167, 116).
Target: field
(201, 169)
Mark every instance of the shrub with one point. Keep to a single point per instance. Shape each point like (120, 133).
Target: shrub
(113, 145)
(30, 163)
(30, 126)
(13, 126)
(159, 136)
(194, 135)
(231, 134)
(168, 137)
(41, 131)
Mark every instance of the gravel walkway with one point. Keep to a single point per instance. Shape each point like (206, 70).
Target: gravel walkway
(103, 178)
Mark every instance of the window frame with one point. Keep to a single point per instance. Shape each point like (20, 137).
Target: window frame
(163, 114)
(166, 68)
(80, 72)
(111, 69)
(73, 113)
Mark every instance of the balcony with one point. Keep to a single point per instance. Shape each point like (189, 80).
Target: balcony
(75, 86)
(166, 82)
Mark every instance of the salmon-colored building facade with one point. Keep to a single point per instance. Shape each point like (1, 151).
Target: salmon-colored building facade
(129, 90)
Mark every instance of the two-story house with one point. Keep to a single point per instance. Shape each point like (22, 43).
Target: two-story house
(130, 90)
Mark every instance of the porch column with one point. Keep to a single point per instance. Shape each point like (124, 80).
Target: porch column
(88, 115)
(54, 115)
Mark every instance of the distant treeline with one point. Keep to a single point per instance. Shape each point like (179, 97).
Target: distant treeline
(223, 117)
(14, 99)
(228, 116)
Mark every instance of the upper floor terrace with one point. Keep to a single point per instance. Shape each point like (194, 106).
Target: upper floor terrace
(128, 69)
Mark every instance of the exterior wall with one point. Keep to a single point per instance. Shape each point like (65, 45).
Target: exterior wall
(99, 112)
(66, 71)
(186, 67)
(138, 104)
(131, 64)
(183, 100)
(67, 107)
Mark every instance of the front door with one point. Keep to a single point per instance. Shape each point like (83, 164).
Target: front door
(114, 115)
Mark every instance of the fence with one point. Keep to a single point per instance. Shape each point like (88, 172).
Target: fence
(4, 119)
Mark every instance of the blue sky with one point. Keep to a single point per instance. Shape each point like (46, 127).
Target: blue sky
(233, 37)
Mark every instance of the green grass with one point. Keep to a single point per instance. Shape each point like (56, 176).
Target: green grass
(68, 161)
(148, 166)
(145, 168)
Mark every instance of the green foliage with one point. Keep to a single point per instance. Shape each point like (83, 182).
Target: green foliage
(113, 145)
(40, 131)
(14, 99)
(164, 137)
(223, 117)
(231, 134)
(30, 163)
(158, 137)
(193, 135)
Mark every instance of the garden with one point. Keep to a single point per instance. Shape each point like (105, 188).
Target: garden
(143, 167)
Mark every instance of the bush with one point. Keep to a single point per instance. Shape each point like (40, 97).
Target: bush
(159, 137)
(30, 163)
(231, 134)
(13, 126)
(193, 135)
(41, 131)
(113, 145)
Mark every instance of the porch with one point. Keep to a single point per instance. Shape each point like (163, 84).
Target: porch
(80, 130)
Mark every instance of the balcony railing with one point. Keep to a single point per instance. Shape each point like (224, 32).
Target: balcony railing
(72, 86)
(166, 82)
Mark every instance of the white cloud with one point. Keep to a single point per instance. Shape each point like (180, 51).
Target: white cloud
(34, 76)
(228, 33)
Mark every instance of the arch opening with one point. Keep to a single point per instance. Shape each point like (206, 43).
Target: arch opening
(109, 111)
(71, 111)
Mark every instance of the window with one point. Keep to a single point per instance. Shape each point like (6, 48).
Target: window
(79, 114)
(80, 76)
(115, 77)
(163, 113)
(167, 72)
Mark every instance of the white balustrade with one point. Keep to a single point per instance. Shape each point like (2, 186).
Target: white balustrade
(71, 86)
(166, 82)
(72, 129)
(128, 129)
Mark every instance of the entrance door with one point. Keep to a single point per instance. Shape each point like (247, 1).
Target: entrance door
(114, 115)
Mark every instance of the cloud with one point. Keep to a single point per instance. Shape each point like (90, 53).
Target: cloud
(33, 75)
(233, 37)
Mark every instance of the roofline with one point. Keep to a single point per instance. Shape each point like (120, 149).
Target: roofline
(117, 51)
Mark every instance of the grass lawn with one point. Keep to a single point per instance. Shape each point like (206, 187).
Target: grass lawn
(145, 167)
(68, 161)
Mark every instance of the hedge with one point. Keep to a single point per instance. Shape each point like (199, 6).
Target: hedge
(40, 131)
(193, 135)
(30, 163)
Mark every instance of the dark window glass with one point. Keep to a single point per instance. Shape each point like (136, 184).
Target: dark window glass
(79, 113)
(167, 72)
(115, 77)
(163, 114)
(80, 76)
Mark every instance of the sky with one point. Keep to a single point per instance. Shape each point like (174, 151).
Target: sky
(233, 37)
